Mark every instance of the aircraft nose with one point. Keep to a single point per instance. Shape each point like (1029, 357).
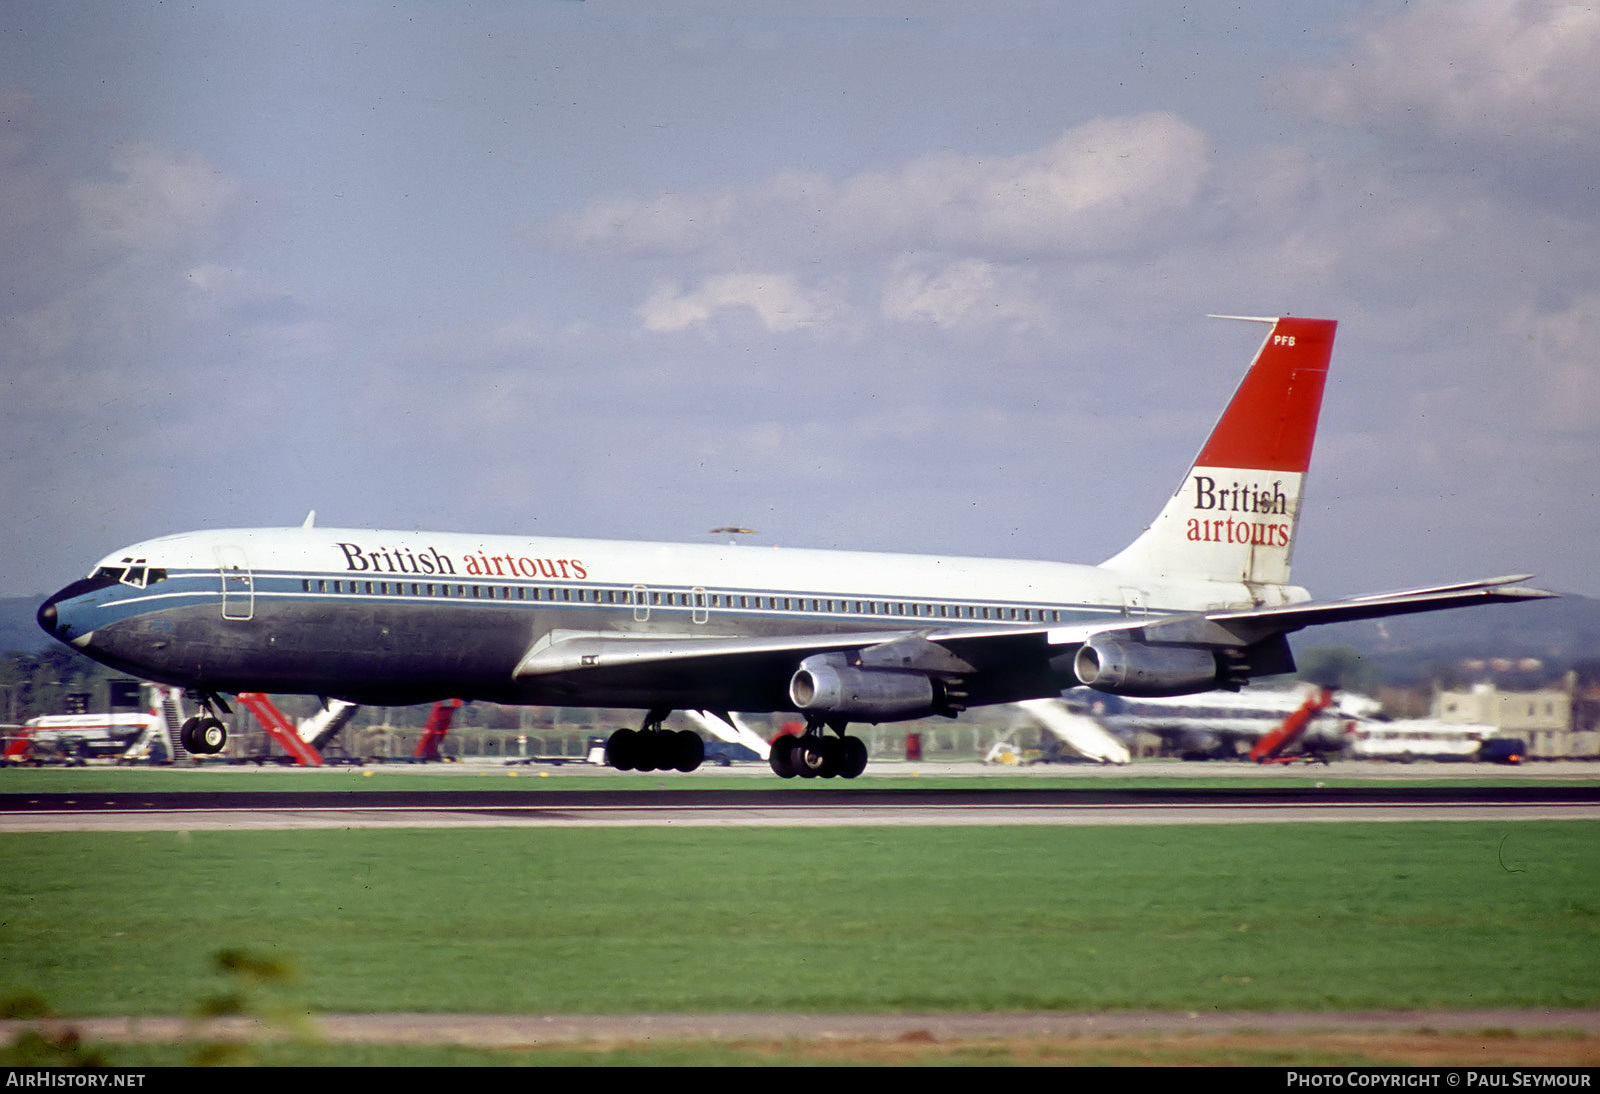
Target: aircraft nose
(49, 615)
(67, 616)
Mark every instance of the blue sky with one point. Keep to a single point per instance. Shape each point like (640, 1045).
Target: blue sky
(927, 277)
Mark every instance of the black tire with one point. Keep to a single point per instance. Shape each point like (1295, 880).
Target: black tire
(691, 751)
(204, 736)
(647, 750)
(852, 757)
(832, 749)
(816, 758)
(803, 760)
(781, 758)
(622, 749)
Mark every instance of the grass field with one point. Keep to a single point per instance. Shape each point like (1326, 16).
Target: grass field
(1314, 917)
(1306, 917)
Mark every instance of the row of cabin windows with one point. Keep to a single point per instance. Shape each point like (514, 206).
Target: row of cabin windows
(698, 599)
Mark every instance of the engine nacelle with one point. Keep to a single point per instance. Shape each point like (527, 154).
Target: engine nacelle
(825, 685)
(1135, 668)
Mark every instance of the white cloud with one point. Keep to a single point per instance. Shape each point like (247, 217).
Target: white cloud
(213, 278)
(666, 224)
(1111, 187)
(158, 198)
(777, 300)
(963, 293)
(1103, 186)
(1566, 363)
(1512, 71)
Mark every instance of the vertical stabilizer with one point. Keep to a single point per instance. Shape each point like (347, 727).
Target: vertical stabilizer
(1234, 516)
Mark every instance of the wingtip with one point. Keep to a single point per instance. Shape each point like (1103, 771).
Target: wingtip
(1510, 588)
(1524, 592)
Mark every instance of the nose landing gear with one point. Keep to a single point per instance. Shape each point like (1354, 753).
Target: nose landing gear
(204, 734)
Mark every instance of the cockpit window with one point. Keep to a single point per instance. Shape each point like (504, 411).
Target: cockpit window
(134, 572)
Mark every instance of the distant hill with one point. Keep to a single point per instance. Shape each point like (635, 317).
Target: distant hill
(1560, 633)
(19, 631)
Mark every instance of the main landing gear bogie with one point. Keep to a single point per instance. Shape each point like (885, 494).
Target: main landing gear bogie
(811, 755)
(815, 756)
(652, 748)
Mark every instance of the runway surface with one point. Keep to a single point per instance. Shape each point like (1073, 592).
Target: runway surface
(788, 805)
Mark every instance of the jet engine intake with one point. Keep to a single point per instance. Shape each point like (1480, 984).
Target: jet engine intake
(1123, 667)
(825, 685)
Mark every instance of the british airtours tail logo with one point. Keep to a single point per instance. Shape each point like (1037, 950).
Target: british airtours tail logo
(1250, 500)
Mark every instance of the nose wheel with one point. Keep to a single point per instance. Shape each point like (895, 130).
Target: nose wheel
(204, 734)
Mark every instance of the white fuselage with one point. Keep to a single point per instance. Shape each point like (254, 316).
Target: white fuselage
(417, 615)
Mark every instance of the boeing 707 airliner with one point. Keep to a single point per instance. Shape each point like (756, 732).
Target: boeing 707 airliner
(1200, 600)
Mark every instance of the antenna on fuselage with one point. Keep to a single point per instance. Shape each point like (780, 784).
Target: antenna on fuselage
(732, 531)
(1245, 318)
(311, 520)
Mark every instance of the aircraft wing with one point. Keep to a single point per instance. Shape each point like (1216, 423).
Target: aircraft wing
(750, 673)
(1495, 590)
(920, 650)
(745, 668)
(569, 651)
(1262, 631)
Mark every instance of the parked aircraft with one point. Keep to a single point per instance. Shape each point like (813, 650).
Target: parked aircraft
(1226, 725)
(1078, 734)
(1200, 600)
(82, 736)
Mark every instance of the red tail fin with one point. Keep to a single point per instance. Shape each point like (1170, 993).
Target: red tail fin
(1271, 422)
(1233, 518)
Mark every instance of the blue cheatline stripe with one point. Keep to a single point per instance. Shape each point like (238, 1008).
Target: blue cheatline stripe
(204, 585)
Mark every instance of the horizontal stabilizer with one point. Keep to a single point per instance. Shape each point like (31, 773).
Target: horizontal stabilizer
(1498, 590)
